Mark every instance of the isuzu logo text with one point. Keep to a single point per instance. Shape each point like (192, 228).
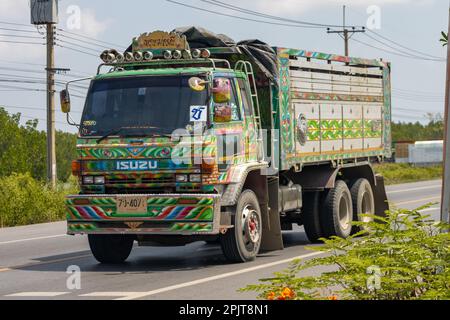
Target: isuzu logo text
(138, 165)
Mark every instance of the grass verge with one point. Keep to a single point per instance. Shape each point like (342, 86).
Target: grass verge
(395, 173)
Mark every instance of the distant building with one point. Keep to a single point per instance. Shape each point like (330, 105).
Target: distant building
(420, 153)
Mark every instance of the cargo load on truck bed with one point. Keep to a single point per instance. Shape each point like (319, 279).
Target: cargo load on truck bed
(326, 107)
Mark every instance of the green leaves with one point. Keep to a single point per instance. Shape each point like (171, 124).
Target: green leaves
(405, 256)
(24, 200)
(444, 38)
(23, 148)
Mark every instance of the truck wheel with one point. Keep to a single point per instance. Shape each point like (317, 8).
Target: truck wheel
(110, 248)
(363, 202)
(311, 216)
(242, 243)
(337, 211)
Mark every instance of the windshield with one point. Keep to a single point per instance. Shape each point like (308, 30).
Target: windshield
(145, 105)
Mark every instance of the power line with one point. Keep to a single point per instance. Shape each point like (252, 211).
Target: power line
(30, 108)
(389, 51)
(20, 36)
(18, 30)
(82, 41)
(238, 17)
(264, 15)
(76, 50)
(401, 51)
(90, 38)
(76, 44)
(21, 42)
(404, 47)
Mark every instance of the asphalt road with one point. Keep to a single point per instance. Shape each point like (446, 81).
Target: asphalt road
(34, 262)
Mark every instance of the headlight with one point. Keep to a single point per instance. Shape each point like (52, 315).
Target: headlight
(99, 180)
(195, 178)
(88, 180)
(182, 178)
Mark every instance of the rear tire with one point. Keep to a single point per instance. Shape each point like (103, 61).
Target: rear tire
(363, 202)
(311, 216)
(110, 248)
(337, 211)
(242, 243)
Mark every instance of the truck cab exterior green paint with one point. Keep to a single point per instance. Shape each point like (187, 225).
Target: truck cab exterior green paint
(173, 207)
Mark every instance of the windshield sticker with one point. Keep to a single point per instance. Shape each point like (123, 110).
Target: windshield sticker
(142, 91)
(89, 123)
(198, 114)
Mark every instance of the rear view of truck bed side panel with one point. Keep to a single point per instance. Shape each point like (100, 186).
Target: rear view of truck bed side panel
(332, 107)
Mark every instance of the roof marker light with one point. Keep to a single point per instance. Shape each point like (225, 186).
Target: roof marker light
(110, 58)
(129, 57)
(167, 54)
(104, 56)
(138, 56)
(120, 58)
(187, 54)
(176, 54)
(196, 53)
(205, 53)
(148, 55)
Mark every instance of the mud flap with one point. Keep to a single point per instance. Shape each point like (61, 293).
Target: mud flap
(381, 201)
(272, 238)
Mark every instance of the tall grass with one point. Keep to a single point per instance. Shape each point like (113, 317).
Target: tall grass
(401, 173)
(24, 200)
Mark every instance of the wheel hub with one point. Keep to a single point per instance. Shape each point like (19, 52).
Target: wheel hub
(250, 225)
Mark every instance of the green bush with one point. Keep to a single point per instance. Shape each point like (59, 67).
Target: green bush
(405, 256)
(25, 200)
(401, 172)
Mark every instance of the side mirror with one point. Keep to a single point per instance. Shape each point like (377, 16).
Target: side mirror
(65, 101)
(221, 90)
(222, 113)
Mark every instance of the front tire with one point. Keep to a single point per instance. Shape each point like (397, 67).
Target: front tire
(110, 248)
(337, 211)
(242, 243)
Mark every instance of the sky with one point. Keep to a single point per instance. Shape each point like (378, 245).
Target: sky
(407, 31)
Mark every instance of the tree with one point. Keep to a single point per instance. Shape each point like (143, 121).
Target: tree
(23, 148)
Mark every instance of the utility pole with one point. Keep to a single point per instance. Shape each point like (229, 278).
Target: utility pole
(51, 137)
(45, 13)
(445, 203)
(346, 33)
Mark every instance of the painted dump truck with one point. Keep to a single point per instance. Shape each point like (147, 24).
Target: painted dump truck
(188, 136)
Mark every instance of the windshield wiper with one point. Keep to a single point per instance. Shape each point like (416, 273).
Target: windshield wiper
(117, 130)
(111, 132)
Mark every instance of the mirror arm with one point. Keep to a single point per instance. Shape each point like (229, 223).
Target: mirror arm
(71, 122)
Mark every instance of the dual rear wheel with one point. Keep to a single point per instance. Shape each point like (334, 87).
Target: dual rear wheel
(332, 213)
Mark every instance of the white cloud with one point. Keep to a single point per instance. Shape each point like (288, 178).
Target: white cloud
(89, 25)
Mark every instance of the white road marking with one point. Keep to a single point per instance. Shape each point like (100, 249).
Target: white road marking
(32, 239)
(429, 209)
(109, 294)
(418, 200)
(36, 294)
(213, 278)
(415, 189)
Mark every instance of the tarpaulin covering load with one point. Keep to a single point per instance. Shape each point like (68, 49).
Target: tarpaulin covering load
(258, 52)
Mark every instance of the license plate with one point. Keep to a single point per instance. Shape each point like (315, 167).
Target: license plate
(131, 204)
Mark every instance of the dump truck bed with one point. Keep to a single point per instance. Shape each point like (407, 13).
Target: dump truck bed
(331, 107)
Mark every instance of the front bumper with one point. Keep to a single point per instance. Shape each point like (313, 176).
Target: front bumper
(173, 214)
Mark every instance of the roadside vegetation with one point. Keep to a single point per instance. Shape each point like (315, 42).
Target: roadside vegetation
(25, 197)
(395, 173)
(404, 257)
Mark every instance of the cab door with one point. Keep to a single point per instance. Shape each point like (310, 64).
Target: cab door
(250, 130)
